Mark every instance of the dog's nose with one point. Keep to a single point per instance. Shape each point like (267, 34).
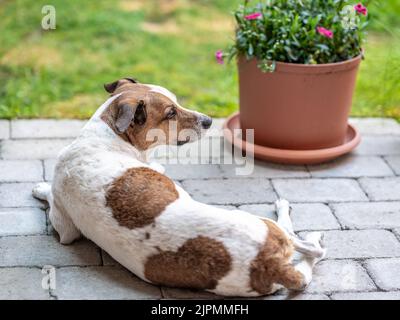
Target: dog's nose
(206, 122)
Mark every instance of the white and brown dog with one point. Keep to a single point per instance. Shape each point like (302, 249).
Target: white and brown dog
(104, 189)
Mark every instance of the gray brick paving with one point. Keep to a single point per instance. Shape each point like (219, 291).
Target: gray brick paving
(367, 215)
(319, 190)
(382, 189)
(379, 145)
(17, 195)
(394, 162)
(22, 283)
(352, 167)
(395, 295)
(376, 126)
(267, 170)
(346, 275)
(32, 129)
(32, 149)
(234, 191)
(305, 216)
(49, 165)
(21, 171)
(101, 283)
(353, 200)
(46, 250)
(22, 221)
(354, 244)
(385, 273)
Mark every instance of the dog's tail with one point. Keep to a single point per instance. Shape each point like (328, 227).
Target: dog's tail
(42, 191)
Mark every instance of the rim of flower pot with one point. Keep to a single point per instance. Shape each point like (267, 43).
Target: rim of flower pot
(285, 156)
(287, 67)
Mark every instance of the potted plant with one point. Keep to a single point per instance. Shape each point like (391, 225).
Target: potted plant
(297, 64)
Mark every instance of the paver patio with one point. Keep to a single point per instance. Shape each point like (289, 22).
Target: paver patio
(354, 200)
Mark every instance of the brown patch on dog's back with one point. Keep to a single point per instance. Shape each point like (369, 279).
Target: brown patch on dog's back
(272, 264)
(139, 196)
(199, 264)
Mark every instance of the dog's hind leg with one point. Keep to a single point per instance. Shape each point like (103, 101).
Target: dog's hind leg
(62, 223)
(283, 212)
(59, 219)
(298, 277)
(308, 248)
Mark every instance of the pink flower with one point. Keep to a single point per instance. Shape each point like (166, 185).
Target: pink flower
(361, 9)
(325, 32)
(253, 16)
(219, 56)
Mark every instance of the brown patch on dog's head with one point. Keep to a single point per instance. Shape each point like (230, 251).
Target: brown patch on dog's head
(199, 264)
(139, 196)
(147, 116)
(272, 264)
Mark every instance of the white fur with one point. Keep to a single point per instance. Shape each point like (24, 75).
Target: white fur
(98, 156)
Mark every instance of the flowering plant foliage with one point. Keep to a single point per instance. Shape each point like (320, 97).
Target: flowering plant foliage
(299, 31)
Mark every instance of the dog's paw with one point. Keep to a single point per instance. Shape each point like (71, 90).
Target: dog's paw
(41, 191)
(281, 203)
(317, 238)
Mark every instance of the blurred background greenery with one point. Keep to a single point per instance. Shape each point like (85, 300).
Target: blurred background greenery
(60, 73)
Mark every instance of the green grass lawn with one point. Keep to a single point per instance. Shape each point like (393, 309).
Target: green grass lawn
(60, 73)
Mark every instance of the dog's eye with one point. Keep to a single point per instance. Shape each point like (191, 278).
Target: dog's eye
(171, 113)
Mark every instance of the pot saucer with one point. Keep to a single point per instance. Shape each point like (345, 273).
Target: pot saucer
(352, 140)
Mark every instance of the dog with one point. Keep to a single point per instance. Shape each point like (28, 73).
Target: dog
(105, 190)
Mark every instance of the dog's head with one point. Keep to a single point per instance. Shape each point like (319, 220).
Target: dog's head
(148, 115)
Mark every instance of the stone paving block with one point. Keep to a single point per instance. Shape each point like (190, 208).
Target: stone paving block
(174, 293)
(385, 272)
(49, 166)
(261, 210)
(397, 233)
(310, 216)
(376, 126)
(379, 145)
(22, 221)
(198, 152)
(22, 284)
(395, 295)
(21, 171)
(345, 275)
(4, 129)
(101, 283)
(33, 149)
(368, 215)
(266, 170)
(319, 190)
(18, 195)
(381, 189)
(352, 167)
(192, 171)
(45, 128)
(394, 162)
(294, 296)
(360, 244)
(234, 191)
(46, 250)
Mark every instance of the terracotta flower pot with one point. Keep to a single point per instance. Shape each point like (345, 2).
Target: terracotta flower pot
(297, 107)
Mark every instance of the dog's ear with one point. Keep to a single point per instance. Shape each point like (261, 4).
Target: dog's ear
(128, 113)
(111, 87)
(140, 114)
